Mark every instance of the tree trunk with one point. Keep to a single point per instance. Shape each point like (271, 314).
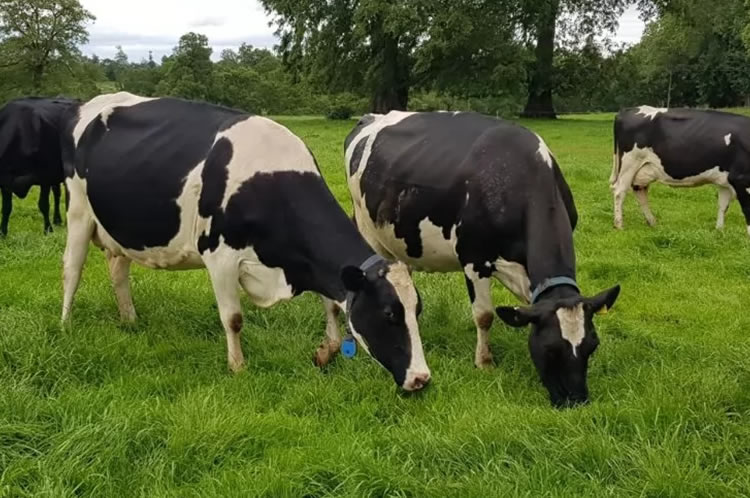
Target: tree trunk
(391, 74)
(539, 104)
(37, 75)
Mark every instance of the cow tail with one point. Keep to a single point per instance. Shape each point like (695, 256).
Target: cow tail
(617, 157)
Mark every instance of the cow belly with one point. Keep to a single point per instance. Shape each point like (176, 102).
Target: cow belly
(178, 255)
(651, 173)
(649, 169)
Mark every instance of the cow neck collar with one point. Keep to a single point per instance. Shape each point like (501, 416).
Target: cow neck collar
(550, 283)
(366, 265)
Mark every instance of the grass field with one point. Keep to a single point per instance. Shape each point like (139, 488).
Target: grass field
(150, 410)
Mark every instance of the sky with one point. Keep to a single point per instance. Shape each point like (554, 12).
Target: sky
(156, 25)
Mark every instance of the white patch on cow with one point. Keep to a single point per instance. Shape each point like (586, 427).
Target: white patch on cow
(514, 277)
(260, 145)
(103, 106)
(728, 139)
(264, 285)
(650, 112)
(438, 254)
(544, 152)
(370, 131)
(398, 276)
(572, 325)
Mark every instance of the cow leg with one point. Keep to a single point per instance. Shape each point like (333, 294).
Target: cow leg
(726, 194)
(629, 168)
(225, 281)
(44, 207)
(331, 344)
(641, 194)
(119, 272)
(743, 196)
(7, 197)
(80, 231)
(481, 309)
(56, 218)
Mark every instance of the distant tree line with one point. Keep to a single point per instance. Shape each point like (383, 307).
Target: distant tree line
(505, 57)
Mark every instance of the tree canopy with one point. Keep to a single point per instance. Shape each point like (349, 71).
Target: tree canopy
(340, 57)
(38, 37)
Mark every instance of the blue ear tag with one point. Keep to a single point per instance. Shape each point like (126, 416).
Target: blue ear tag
(349, 347)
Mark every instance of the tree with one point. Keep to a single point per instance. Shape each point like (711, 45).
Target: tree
(37, 34)
(543, 19)
(188, 72)
(351, 45)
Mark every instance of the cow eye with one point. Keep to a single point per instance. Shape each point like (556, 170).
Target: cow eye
(389, 314)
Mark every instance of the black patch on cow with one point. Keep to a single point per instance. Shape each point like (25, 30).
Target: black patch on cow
(214, 177)
(364, 121)
(137, 164)
(470, 289)
(284, 216)
(359, 149)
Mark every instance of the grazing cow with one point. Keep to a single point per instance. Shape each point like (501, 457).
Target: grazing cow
(30, 131)
(464, 192)
(176, 184)
(681, 148)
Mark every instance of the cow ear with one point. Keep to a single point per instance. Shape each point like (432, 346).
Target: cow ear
(353, 278)
(517, 317)
(604, 301)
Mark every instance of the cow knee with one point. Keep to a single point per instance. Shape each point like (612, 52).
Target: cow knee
(484, 320)
(235, 323)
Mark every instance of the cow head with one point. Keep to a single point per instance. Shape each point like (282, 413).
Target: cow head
(383, 306)
(562, 340)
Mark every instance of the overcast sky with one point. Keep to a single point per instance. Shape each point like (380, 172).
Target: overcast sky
(143, 25)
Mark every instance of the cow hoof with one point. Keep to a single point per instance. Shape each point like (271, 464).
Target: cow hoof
(651, 223)
(236, 368)
(484, 361)
(324, 354)
(47, 230)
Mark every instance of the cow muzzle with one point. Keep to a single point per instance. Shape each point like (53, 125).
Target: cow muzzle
(416, 381)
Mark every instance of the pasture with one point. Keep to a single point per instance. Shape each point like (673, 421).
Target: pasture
(150, 410)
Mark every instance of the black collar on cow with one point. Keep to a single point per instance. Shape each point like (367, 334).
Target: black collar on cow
(550, 283)
(349, 344)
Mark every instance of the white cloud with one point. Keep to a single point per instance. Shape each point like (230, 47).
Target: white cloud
(143, 25)
(156, 25)
(631, 27)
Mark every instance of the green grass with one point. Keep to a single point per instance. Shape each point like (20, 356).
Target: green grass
(150, 410)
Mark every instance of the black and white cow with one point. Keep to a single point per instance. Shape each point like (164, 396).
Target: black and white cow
(175, 184)
(447, 192)
(30, 131)
(681, 148)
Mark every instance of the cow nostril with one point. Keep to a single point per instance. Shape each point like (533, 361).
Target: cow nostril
(418, 382)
